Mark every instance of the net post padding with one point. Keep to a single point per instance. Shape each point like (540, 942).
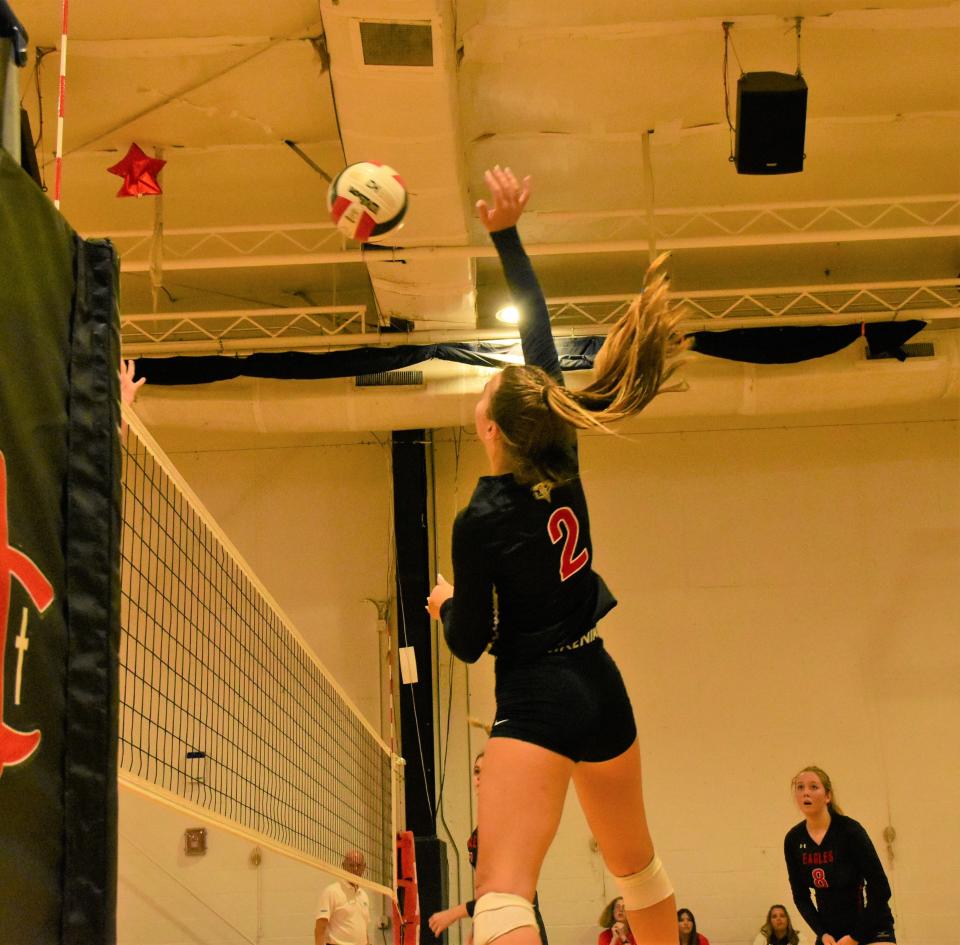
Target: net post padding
(92, 538)
(225, 711)
(406, 914)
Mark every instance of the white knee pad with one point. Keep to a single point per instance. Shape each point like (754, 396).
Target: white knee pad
(646, 888)
(495, 914)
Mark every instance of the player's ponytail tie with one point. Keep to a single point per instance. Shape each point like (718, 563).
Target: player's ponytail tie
(545, 396)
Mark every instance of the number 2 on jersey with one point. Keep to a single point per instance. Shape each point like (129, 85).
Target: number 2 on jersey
(564, 520)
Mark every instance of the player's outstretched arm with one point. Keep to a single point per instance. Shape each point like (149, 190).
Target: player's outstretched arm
(508, 198)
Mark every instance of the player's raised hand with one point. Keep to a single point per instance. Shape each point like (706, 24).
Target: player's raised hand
(508, 197)
(128, 386)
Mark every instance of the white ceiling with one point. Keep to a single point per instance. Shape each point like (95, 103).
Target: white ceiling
(565, 91)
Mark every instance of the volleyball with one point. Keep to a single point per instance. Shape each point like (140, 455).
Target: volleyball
(367, 201)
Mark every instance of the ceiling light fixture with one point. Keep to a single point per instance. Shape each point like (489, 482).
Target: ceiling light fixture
(510, 315)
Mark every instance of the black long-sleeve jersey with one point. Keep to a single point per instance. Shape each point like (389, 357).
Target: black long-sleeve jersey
(846, 876)
(521, 558)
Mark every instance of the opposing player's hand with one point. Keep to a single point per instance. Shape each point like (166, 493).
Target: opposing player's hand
(128, 386)
(829, 939)
(441, 921)
(509, 196)
(442, 590)
(847, 940)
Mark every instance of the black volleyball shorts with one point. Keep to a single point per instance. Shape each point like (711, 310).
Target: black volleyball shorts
(573, 703)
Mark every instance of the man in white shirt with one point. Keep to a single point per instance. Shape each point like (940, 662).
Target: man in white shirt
(343, 912)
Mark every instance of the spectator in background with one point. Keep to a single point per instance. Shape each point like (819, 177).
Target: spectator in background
(616, 928)
(687, 927)
(343, 912)
(778, 929)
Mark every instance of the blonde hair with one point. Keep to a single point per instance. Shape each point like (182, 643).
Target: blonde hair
(832, 804)
(766, 930)
(537, 416)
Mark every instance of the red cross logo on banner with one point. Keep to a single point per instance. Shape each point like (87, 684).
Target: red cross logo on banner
(16, 746)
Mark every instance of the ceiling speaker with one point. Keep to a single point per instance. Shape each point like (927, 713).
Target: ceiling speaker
(771, 121)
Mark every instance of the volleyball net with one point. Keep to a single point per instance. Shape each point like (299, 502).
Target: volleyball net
(224, 710)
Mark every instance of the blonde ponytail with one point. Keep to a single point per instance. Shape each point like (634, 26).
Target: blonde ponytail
(536, 415)
(636, 361)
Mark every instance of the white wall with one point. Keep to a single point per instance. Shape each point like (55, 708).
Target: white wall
(788, 595)
(165, 897)
(311, 517)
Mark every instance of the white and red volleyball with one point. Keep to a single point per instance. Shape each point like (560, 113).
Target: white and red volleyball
(367, 201)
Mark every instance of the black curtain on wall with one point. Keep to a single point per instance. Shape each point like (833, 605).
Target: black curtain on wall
(754, 345)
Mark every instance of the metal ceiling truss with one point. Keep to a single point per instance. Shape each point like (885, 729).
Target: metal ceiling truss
(864, 215)
(323, 327)
(249, 330)
(134, 246)
(874, 218)
(820, 304)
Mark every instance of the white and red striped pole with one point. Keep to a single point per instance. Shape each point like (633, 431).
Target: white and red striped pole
(60, 104)
(384, 622)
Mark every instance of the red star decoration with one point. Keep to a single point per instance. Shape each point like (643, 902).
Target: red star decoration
(139, 173)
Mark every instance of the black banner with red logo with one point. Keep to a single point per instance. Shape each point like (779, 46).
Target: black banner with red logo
(59, 574)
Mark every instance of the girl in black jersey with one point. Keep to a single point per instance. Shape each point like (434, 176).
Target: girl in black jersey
(831, 855)
(522, 558)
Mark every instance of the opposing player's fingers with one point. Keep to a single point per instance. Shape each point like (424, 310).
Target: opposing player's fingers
(493, 182)
(504, 177)
(483, 210)
(524, 194)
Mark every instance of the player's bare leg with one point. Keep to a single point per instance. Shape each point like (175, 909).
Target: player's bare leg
(611, 795)
(520, 802)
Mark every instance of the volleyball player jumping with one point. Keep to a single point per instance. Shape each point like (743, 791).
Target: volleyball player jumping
(562, 709)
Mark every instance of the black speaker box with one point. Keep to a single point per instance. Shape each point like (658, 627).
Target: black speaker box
(431, 854)
(771, 121)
